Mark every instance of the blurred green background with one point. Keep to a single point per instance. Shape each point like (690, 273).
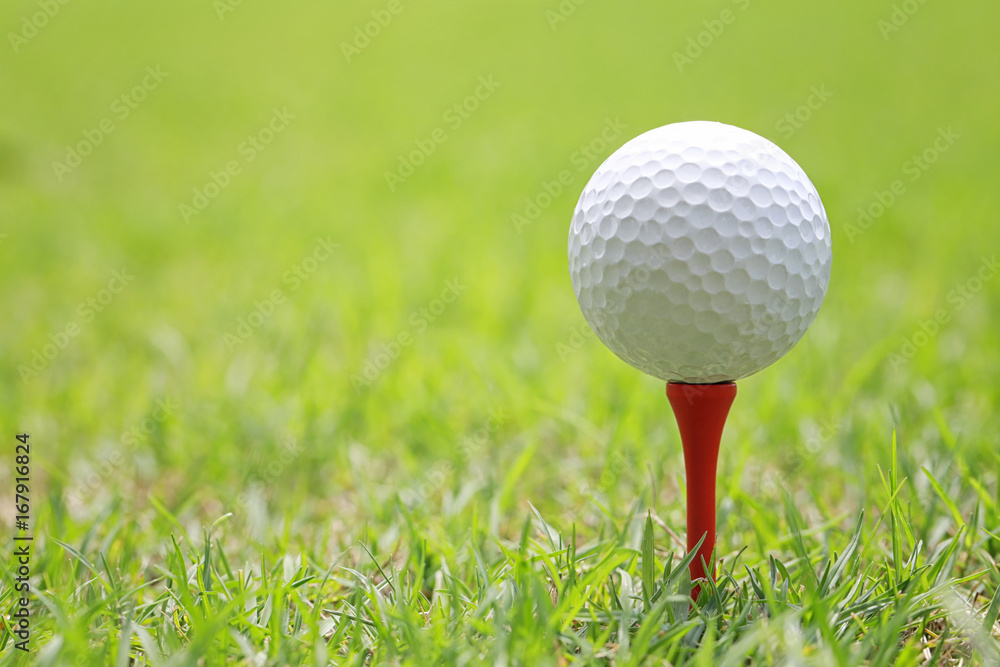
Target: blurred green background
(574, 429)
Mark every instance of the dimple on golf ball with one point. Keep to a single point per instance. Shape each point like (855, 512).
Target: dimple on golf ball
(699, 252)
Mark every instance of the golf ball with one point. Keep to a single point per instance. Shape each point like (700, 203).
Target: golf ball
(699, 252)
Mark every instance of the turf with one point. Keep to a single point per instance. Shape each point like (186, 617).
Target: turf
(327, 416)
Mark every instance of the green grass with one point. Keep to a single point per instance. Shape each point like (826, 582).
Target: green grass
(504, 491)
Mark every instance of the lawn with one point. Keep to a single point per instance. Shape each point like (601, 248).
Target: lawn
(290, 330)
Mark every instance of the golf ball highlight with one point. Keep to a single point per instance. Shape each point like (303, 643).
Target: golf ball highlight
(699, 252)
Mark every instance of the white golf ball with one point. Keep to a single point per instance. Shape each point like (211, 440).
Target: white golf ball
(699, 252)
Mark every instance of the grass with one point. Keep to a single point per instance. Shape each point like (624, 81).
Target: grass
(328, 421)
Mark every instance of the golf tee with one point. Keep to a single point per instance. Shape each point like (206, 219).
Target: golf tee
(701, 411)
